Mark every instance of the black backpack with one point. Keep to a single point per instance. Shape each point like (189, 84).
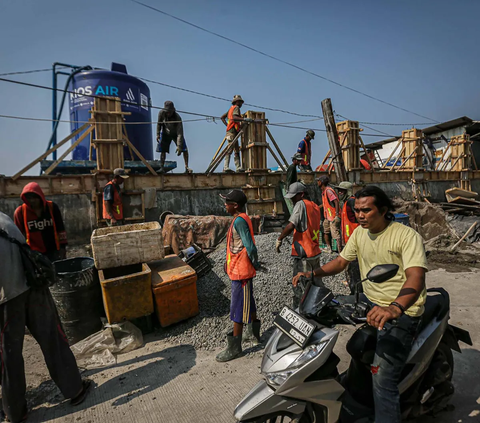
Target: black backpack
(39, 270)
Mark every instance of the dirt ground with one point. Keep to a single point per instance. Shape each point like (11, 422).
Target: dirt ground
(166, 383)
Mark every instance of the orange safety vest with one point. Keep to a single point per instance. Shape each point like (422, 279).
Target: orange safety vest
(239, 266)
(306, 156)
(328, 210)
(365, 164)
(27, 230)
(117, 204)
(231, 122)
(309, 239)
(347, 226)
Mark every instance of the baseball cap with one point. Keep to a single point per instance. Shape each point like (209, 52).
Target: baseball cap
(325, 180)
(169, 105)
(235, 196)
(294, 189)
(297, 156)
(120, 172)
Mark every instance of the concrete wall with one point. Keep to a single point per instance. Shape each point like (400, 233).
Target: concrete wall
(79, 211)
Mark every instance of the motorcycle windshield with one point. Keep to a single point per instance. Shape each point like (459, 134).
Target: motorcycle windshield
(314, 300)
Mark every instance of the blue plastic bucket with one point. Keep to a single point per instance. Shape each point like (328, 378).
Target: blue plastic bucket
(402, 218)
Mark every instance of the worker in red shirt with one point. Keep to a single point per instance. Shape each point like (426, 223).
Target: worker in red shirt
(41, 223)
(331, 212)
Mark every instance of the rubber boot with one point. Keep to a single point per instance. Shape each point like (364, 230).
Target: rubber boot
(226, 166)
(251, 333)
(234, 349)
(238, 164)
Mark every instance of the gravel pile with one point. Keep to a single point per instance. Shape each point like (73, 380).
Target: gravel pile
(272, 290)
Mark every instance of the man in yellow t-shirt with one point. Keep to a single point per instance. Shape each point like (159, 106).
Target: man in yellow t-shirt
(380, 240)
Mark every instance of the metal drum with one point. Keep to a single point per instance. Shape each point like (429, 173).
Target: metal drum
(78, 297)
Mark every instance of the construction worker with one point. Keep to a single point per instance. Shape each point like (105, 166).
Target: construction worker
(241, 264)
(305, 225)
(40, 221)
(349, 224)
(232, 120)
(292, 170)
(112, 199)
(305, 149)
(170, 128)
(22, 306)
(331, 212)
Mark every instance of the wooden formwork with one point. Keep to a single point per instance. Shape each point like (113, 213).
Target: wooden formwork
(108, 121)
(348, 133)
(259, 193)
(460, 157)
(412, 150)
(254, 143)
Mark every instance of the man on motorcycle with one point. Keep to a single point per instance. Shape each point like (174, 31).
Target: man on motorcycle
(400, 301)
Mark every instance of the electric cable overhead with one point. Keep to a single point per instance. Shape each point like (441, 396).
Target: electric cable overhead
(282, 61)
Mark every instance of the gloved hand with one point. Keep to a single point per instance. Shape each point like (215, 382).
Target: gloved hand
(278, 244)
(178, 150)
(249, 120)
(337, 220)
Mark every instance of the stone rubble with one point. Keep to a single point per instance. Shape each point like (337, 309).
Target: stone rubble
(271, 287)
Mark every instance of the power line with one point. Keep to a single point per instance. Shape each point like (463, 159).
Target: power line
(313, 129)
(281, 60)
(25, 72)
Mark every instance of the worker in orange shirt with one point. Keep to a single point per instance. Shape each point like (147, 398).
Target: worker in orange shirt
(331, 212)
(349, 224)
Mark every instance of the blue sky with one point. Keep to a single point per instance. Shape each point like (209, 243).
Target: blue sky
(418, 55)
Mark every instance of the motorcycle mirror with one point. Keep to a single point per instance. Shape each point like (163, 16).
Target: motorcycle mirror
(382, 273)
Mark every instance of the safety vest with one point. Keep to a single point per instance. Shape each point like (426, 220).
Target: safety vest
(117, 206)
(310, 238)
(347, 226)
(28, 234)
(306, 155)
(238, 266)
(328, 210)
(231, 122)
(365, 164)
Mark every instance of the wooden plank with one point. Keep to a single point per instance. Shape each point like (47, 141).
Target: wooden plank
(54, 148)
(458, 192)
(150, 168)
(391, 154)
(70, 149)
(276, 145)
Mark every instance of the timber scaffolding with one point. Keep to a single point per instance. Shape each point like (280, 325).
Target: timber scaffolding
(147, 195)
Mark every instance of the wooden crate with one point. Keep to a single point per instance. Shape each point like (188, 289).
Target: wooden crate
(348, 133)
(118, 246)
(254, 143)
(412, 143)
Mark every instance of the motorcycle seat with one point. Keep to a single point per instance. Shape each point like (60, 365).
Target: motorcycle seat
(435, 307)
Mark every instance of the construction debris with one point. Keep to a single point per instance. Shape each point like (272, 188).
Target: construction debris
(272, 290)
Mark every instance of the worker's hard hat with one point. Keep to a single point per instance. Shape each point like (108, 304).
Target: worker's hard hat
(237, 98)
(297, 156)
(311, 133)
(345, 185)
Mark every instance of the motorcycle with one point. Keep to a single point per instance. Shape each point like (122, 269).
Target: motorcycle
(301, 381)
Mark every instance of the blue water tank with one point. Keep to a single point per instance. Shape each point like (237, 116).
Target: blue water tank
(135, 96)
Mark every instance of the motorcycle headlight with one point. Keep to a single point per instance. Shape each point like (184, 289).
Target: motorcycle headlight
(278, 378)
(308, 354)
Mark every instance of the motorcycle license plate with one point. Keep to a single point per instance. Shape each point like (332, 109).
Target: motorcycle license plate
(296, 327)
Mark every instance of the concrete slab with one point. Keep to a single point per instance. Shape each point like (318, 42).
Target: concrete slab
(162, 382)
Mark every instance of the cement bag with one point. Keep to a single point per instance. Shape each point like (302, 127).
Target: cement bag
(98, 349)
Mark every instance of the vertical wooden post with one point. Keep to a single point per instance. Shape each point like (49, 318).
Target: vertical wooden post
(332, 135)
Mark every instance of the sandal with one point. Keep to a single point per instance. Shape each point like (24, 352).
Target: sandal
(86, 383)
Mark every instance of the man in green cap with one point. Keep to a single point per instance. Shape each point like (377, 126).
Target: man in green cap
(305, 149)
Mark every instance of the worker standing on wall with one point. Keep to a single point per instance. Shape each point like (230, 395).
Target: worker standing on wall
(240, 266)
(305, 149)
(112, 199)
(349, 224)
(232, 120)
(305, 225)
(40, 221)
(170, 128)
(331, 212)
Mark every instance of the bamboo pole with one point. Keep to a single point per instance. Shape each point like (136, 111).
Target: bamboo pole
(366, 154)
(443, 155)
(230, 147)
(407, 159)
(54, 148)
(66, 153)
(276, 145)
(464, 236)
(392, 153)
(396, 159)
(275, 157)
